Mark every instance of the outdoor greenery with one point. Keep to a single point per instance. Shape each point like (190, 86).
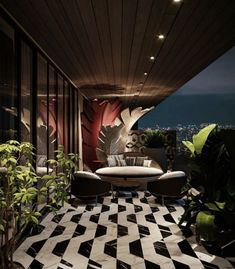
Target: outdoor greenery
(212, 208)
(154, 139)
(19, 195)
(63, 167)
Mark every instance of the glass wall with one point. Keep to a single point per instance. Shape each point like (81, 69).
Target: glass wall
(38, 103)
(8, 93)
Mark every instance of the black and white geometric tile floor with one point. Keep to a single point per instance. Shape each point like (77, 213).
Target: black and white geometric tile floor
(122, 233)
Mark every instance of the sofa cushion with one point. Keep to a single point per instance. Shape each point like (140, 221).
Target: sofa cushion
(121, 162)
(147, 163)
(130, 161)
(140, 160)
(113, 159)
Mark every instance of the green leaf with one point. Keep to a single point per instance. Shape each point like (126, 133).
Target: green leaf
(32, 190)
(2, 228)
(13, 142)
(205, 226)
(43, 189)
(216, 206)
(18, 195)
(51, 161)
(200, 138)
(50, 183)
(47, 177)
(34, 219)
(189, 145)
(37, 214)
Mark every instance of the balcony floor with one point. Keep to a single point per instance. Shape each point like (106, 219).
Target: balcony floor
(135, 233)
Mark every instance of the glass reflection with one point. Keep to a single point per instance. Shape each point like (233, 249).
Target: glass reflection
(26, 92)
(8, 95)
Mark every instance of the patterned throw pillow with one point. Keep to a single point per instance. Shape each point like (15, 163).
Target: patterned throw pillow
(130, 161)
(121, 162)
(119, 157)
(140, 161)
(147, 163)
(111, 161)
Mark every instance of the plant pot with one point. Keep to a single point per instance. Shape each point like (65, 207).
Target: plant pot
(158, 155)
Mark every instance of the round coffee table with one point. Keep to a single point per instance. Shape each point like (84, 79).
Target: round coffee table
(128, 176)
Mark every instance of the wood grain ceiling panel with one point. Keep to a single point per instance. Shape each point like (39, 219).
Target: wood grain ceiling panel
(104, 45)
(158, 9)
(177, 66)
(142, 18)
(55, 26)
(21, 11)
(115, 21)
(130, 9)
(78, 39)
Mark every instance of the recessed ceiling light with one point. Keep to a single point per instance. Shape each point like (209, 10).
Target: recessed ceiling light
(145, 74)
(177, 1)
(161, 36)
(152, 58)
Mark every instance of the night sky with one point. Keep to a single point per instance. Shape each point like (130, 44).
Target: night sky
(207, 98)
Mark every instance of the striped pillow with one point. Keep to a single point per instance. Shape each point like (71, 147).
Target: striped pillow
(140, 160)
(121, 162)
(130, 161)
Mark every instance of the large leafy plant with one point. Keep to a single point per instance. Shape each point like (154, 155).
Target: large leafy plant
(60, 179)
(212, 208)
(18, 196)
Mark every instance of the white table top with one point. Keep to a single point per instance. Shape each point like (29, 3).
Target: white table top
(129, 171)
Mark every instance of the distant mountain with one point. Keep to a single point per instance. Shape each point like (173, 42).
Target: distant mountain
(192, 109)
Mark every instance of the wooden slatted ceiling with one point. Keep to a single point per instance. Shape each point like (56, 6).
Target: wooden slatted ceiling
(104, 45)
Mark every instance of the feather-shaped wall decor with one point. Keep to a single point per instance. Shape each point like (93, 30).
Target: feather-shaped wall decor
(113, 139)
(95, 115)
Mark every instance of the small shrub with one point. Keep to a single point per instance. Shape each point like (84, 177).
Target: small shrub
(154, 139)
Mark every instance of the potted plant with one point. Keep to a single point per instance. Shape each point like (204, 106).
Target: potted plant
(211, 207)
(18, 196)
(154, 147)
(154, 139)
(59, 180)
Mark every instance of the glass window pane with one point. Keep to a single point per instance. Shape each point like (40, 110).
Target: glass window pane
(26, 92)
(8, 94)
(71, 119)
(42, 112)
(75, 122)
(60, 111)
(52, 113)
(66, 117)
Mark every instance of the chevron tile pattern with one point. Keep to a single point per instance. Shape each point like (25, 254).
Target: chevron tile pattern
(123, 233)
